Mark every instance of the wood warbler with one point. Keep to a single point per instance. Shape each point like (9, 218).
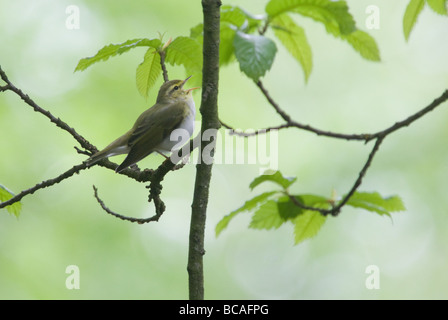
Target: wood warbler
(174, 109)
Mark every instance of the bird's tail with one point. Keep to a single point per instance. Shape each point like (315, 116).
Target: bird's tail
(106, 153)
(96, 157)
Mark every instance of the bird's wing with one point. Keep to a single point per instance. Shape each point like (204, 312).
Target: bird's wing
(151, 128)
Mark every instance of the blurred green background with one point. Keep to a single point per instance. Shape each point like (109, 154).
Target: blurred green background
(64, 225)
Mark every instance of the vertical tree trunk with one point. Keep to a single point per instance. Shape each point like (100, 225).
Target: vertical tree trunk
(210, 120)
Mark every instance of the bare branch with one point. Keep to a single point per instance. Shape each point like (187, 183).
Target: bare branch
(105, 208)
(84, 152)
(406, 122)
(58, 122)
(254, 133)
(337, 208)
(364, 136)
(142, 176)
(291, 123)
(210, 120)
(155, 187)
(44, 184)
(136, 174)
(162, 63)
(362, 173)
(378, 136)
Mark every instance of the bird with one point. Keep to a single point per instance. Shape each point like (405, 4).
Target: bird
(174, 109)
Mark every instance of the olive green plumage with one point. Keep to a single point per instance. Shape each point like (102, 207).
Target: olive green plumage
(151, 132)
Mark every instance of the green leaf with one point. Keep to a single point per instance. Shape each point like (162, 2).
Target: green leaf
(309, 222)
(148, 72)
(333, 14)
(313, 200)
(197, 31)
(288, 209)
(410, 16)
(363, 43)
(5, 195)
(233, 19)
(275, 177)
(274, 213)
(267, 217)
(254, 53)
(438, 6)
(233, 15)
(248, 205)
(373, 201)
(294, 39)
(187, 52)
(307, 225)
(116, 49)
(226, 49)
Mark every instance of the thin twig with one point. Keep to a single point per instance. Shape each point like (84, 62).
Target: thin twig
(379, 136)
(337, 208)
(406, 122)
(291, 123)
(162, 54)
(263, 30)
(155, 187)
(84, 152)
(44, 184)
(117, 215)
(361, 175)
(240, 133)
(138, 175)
(58, 122)
(364, 136)
(155, 176)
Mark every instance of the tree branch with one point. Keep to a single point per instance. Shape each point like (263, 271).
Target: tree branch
(378, 136)
(117, 215)
(155, 187)
(58, 122)
(290, 123)
(44, 184)
(162, 54)
(406, 122)
(254, 133)
(210, 120)
(155, 176)
(335, 211)
(337, 208)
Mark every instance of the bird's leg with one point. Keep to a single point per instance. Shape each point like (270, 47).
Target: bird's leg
(166, 157)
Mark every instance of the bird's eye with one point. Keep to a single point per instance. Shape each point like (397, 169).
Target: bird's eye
(176, 87)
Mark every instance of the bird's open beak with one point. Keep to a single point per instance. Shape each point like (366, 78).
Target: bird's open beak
(185, 81)
(191, 89)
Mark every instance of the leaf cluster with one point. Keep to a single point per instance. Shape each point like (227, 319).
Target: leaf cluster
(335, 17)
(243, 35)
(415, 7)
(183, 51)
(242, 38)
(274, 208)
(256, 52)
